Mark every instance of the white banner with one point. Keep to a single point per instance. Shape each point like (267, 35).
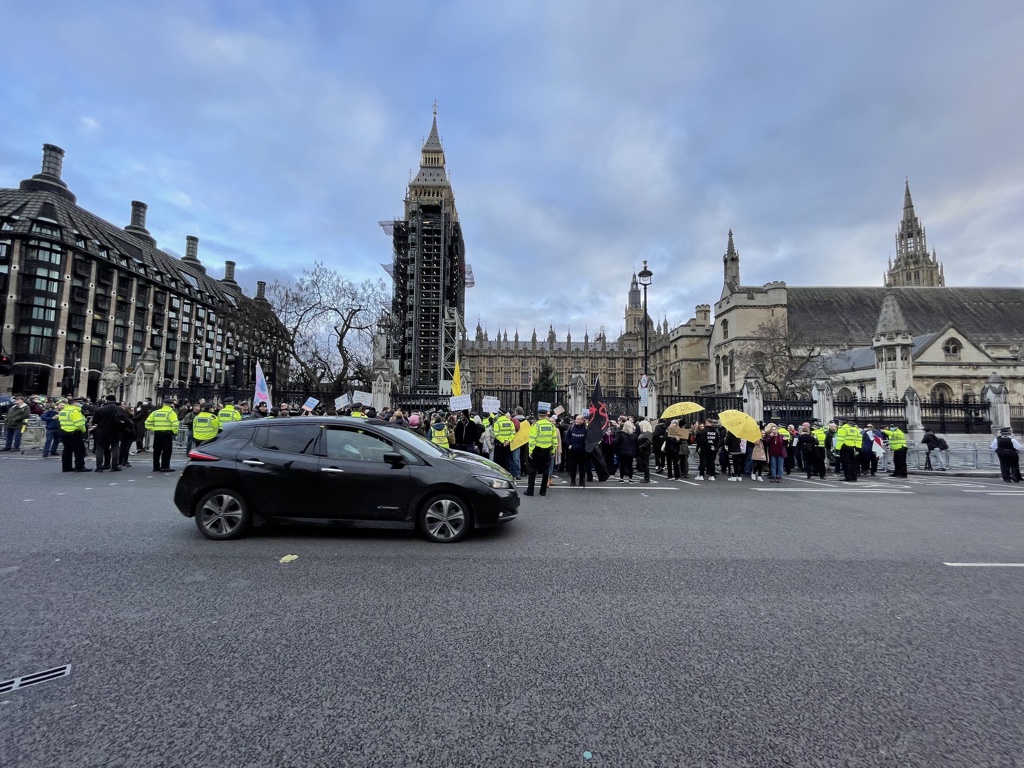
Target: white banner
(491, 405)
(341, 402)
(366, 398)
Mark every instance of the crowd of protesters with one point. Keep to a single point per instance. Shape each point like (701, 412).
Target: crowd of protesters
(630, 447)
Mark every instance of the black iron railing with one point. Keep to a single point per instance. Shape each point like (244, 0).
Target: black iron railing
(965, 418)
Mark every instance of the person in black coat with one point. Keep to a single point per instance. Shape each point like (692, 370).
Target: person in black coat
(626, 449)
(660, 432)
(107, 434)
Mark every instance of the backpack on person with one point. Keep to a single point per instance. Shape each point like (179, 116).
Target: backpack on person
(943, 445)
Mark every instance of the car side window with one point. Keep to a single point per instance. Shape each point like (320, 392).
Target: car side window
(287, 439)
(355, 445)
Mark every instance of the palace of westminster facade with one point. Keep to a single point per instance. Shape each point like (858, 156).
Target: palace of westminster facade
(913, 330)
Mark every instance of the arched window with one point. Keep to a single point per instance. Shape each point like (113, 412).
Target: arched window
(725, 329)
(942, 393)
(952, 348)
(844, 395)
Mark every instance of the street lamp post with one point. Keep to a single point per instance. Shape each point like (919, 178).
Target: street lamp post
(644, 278)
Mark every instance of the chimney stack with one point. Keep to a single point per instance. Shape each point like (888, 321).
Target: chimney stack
(139, 214)
(191, 256)
(261, 290)
(53, 161)
(138, 223)
(229, 274)
(48, 179)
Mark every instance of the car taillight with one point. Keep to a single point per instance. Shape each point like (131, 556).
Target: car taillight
(197, 455)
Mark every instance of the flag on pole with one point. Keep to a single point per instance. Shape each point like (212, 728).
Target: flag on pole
(457, 381)
(598, 417)
(595, 430)
(262, 391)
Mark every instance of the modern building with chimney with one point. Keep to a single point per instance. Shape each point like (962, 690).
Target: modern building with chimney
(88, 307)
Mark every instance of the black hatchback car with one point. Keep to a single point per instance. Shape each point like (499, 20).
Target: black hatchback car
(340, 471)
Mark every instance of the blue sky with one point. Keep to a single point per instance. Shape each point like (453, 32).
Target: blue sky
(581, 137)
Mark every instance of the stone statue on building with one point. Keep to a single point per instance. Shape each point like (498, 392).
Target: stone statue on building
(110, 381)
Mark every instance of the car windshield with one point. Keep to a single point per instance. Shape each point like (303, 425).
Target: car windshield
(420, 443)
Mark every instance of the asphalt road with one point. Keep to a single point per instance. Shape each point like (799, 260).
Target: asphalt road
(704, 624)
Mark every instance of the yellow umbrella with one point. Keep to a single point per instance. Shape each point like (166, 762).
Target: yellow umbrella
(681, 409)
(740, 424)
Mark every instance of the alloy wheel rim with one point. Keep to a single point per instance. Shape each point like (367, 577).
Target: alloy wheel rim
(222, 514)
(445, 519)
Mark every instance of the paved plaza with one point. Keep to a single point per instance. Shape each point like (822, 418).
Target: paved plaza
(673, 624)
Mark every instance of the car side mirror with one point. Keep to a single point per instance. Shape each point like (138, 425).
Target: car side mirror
(396, 460)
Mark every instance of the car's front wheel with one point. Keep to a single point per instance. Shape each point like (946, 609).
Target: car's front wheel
(445, 519)
(222, 514)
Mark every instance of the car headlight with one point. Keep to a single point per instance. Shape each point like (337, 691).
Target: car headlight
(496, 483)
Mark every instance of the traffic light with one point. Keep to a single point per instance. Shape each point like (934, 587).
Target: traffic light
(6, 365)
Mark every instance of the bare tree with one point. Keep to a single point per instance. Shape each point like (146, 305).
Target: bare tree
(328, 322)
(785, 361)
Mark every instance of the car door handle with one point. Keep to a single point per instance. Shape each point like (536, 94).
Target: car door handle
(332, 470)
(253, 462)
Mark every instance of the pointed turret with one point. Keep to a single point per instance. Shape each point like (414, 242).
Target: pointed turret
(893, 347)
(890, 318)
(908, 203)
(431, 182)
(634, 295)
(731, 262)
(914, 265)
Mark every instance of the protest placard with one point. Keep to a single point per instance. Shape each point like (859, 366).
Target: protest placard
(491, 405)
(310, 404)
(460, 403)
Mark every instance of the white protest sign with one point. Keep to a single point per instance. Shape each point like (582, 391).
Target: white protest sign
(559, 411)
(310, 404)
(491, 405)
(340, 402)
(366, 398)
(543, 407)
(460, 403)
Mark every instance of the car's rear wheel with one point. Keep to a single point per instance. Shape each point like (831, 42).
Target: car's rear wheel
(222, 514)
(445, 518)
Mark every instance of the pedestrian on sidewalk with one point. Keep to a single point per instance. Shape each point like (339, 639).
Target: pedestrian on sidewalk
(675, 443)
(1008, 450)
(937, 448)
(776, 453)
(577, 459)
(51, 418)
(626, 450)
(644, 446)
(707, 450)
(14, 422)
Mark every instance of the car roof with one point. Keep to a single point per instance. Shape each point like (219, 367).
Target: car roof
(322, 420)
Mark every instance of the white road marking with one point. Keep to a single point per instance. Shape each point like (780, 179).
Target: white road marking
(111, 483)
(985, 565)
(87, 489)
(24, 500)
(862, 491)
(61, 494)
